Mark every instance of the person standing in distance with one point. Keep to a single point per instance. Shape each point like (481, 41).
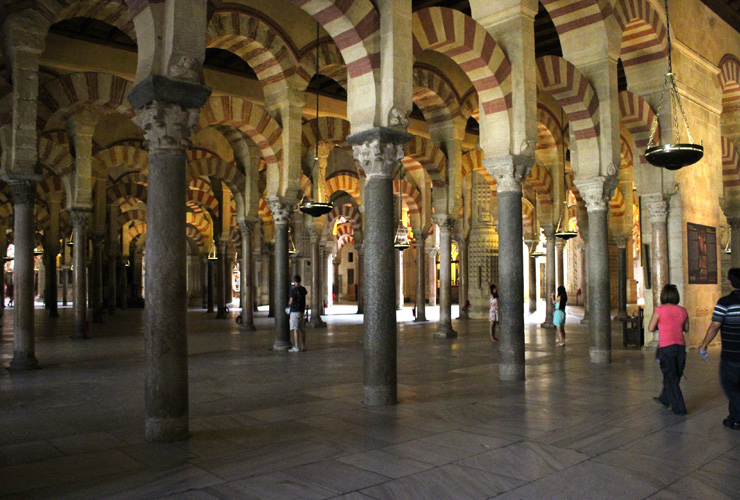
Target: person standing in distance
(297, 304)
(726, 319)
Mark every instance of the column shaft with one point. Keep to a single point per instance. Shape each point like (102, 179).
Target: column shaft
(399, 279)
(734, 242)
(598, 279)
(282, 276)
(79, 273)
(316, 305)
(220, 281)
(360, 278)
(532, 282)
(444, 329)
(97, 278)
(622, 278)
(559, 246)
(463, 290)
(421, 257)
(549, 275)
(247, 277)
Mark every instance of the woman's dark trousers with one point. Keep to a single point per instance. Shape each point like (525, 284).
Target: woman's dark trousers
(672, 363)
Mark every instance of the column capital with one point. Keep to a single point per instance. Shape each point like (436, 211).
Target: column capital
(597, 191)
(432, 251)
(657, 207)
(166, 125)
(246, 227)
(23, 192)
(509, 172)
(621, 241)
(79, 217)
(445, 222)
(549, 231)
(280, 211)
(379, 151)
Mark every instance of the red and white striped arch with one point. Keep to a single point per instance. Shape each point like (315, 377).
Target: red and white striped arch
(197, 199)
(56, 158)
(331, 63)
(637, 116)
(470, 105)
(644, 37)
(213, 166)
(730, 165)
(540, 180)
(409, 194)
(327, 129)
(344, 181)
(729, 79)
(123, 156)
(137, 214)
(125, 191)
(617, 204)
(472, 161)
(136, 230)
(434, 95)
(192, 233)
(199, 222)
(344, 240)
(256, 39)
(528, 222)
(349, 213)
(265, 213)
(422, 151)
(578, 21)
(48, 185)
(114, 13)
(466, 42)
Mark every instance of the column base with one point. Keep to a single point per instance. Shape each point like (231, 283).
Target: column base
(585, 321)
(464, 315)
(547, 324)
(420, 318)
(379, 395)
(247, 327)
(164, 430)
(23, 362)
(511, 372)
(221, 314)
(360, 311)
(600, 356)
(280, 345)
(445, 331)
(317, 323)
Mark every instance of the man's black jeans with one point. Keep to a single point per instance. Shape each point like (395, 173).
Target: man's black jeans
(729, 377)
(672, 363)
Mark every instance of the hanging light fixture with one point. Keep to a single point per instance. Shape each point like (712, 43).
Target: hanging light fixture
(564, 231)
(401, 241)
(316, 208)
(36, 253)
(291, 244)
(538, 251)
(728, 247)
(678, 155)
(212, 252)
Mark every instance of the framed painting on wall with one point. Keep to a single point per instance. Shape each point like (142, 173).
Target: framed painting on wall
(701, 252)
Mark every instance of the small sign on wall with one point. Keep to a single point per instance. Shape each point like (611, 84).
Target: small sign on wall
(702, 254)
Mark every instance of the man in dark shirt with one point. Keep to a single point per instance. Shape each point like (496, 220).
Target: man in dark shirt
(726, 318)
(297, 304)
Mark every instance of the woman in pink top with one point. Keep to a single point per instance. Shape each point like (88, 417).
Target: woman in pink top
(672, 321)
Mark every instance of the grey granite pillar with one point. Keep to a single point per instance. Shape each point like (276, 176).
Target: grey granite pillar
(316, 299)
(463, 266)
(220, 282)
(421, 278)
(246, 297)
(399, 279)
(24, 351)
(585, 288)
(112, 281)
(96, 281)
(167, 127)
(281, 215)
(444, 329)
(79, 273)
(509, 173)
(432, 253)
(360, 278)
(532, 279)
(51, 254)
(621, 242)
(549, 275)
(734, 242)
(210, 289)
(596, 193)
(379, 152)
(559, 245)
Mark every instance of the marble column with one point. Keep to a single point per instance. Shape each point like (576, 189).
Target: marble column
(657, 210)
(509, 173)
(463, 264)
(621, 242)
(559, 246)
(270, 247)
(399, 279)
(96, 281)
(432, 253)
(446, 225)
(379, 152)
(51, 253)
(316, 232)
(584, 273)
(79, 273)
(246, 297)
(220, 281)
(166, 126)
(360, 277)
(325, 292)
(549, 274)
(734, 242)
(335, 282)
(532, 279)
(596, 193)
(421, 278)
(24, 351)
(281, 214)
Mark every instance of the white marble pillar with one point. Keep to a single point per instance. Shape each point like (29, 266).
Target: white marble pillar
(399, 279)
(559, 246)
(421, 278)
(532, 261)
(316, 300)
(549, 231)
(657, 210)
(432, 253)
(360, 277)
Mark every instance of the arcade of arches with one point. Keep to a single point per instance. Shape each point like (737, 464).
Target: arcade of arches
(154, 150)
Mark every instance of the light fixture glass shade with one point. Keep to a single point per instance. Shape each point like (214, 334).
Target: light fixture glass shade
(316, 208)
(212, 253)
(564, 231)
(291, 246)
(538, 251)
(401, 242)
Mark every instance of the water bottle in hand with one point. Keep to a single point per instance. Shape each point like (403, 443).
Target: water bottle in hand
(704, 355)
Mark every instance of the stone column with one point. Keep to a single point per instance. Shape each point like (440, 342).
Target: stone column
(316, 298)
(509, 173)
(335, 272)
(734, 242)
(360, 277)
(596, 193)
(432, 253)
(281, 215)
(209, 284)
(444, 329)
(325, 292)
(96, 282)
(559, 245)
(113, 260)
(657, 209)
(270, 247)
(549, 274)
(399, 279)
(124, 283)
(421, 277)
(79, 273)
(3, 253)
(532, 279)
(246, 296)
(24, 351)
(379, 152)
(463, 260)
(220, 278)
(52, 251)
(621, 242)
(167, 126)
(585, 288)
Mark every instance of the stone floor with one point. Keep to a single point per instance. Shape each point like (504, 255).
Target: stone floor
(268, 425)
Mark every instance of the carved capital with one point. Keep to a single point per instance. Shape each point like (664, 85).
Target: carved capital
(23, 192)
(596, 192)
(379, 151)
(509, 172)
(246, 227)
(432, 251)
(166, 126)
(621, 241)
(657, 207)
(79, 218)
(280, 211)
(549, 231)
(445, 222)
